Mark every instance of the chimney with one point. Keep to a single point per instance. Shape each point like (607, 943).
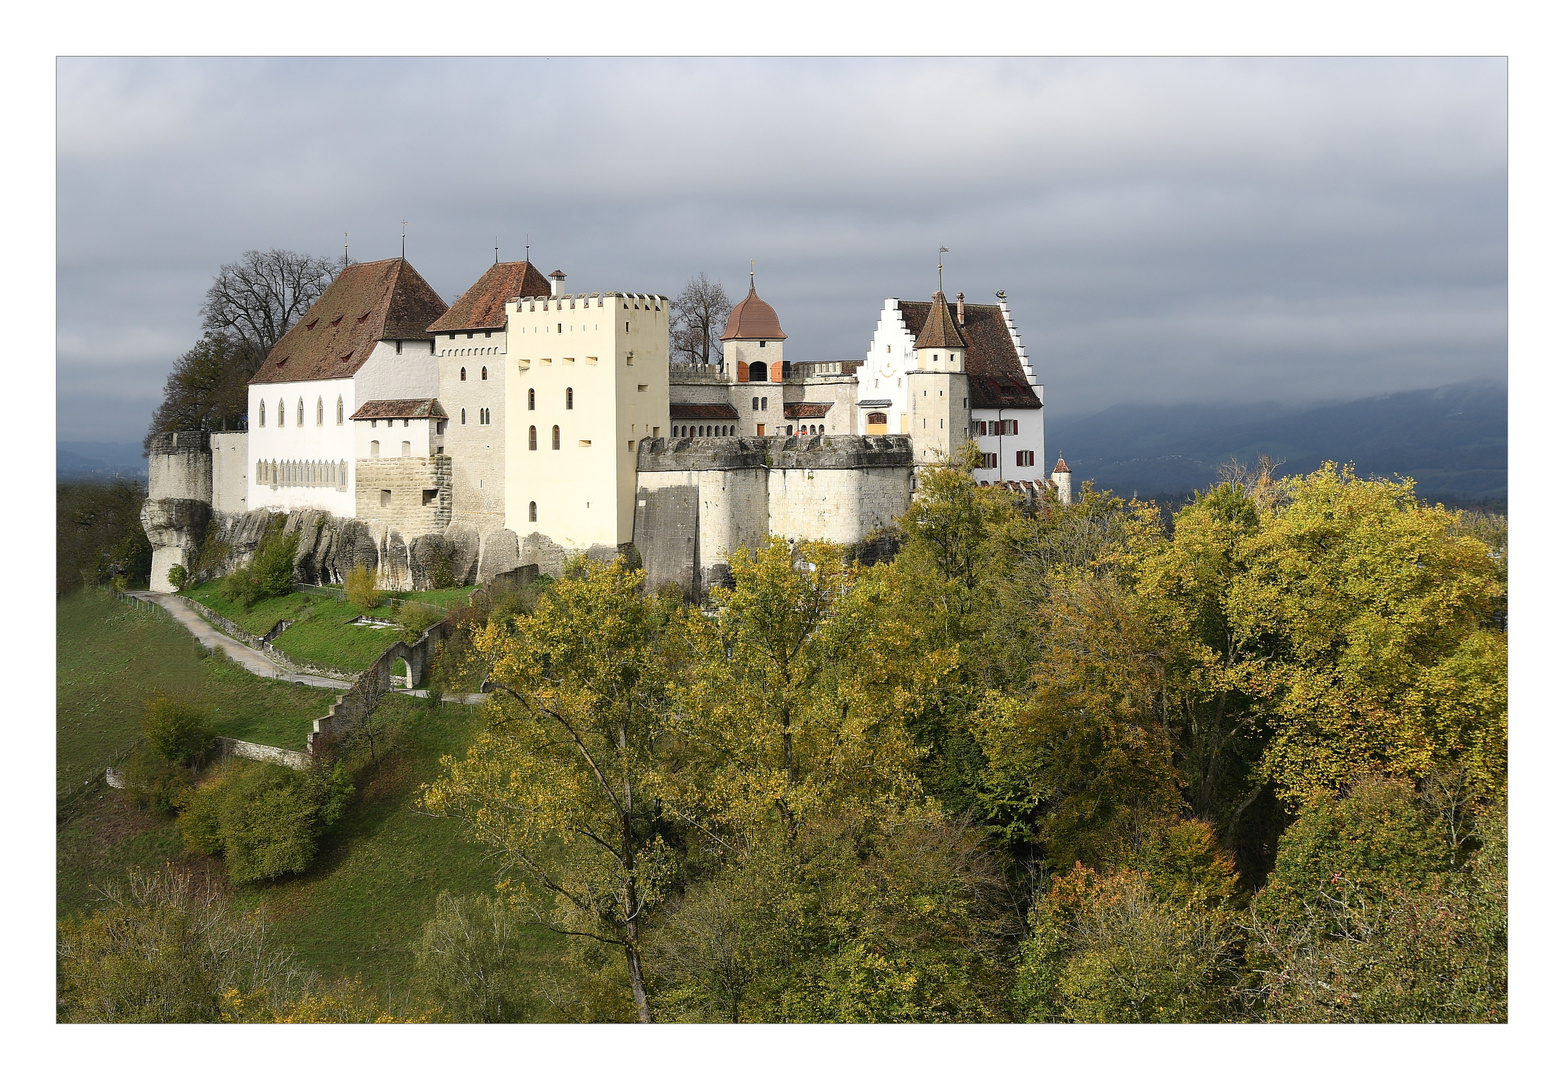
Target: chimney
(961, 309)
(556, 283)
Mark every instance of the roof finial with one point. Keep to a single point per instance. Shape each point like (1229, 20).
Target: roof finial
(496, 251)
(528, 238)
(942, 250)
(404, 239)
(344, 249)
(752, 275)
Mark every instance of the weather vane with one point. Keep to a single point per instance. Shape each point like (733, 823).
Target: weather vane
(942, 250)
(404, 239)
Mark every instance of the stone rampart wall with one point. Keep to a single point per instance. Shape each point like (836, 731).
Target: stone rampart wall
(396, 492)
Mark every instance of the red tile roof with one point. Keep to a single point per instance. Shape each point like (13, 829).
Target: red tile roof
(805, 410)
(940, 332)
(690, 410)
(368, 303)
(753, 319)
(401, 409)
(482, 307)
(1061, 467)
(993, 367)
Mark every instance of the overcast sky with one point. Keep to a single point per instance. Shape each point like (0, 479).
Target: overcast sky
(1166, 230)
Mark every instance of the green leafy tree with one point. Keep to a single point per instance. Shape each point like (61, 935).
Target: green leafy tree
(559, 782)
(469, 959)
(271, 571)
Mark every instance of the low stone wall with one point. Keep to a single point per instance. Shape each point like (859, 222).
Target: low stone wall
(292, 759)
(361, 699)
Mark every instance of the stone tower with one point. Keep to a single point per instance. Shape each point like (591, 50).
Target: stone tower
(1062, 482)
(938, 395)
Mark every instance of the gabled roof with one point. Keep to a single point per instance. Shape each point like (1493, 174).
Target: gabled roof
(993, 368)
(690, 410)
(401, 409)
(805, 410)
(367, 303)
(940, 332)
(753, 320)
(482, 307)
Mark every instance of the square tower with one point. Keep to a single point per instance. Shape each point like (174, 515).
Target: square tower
(586, 379)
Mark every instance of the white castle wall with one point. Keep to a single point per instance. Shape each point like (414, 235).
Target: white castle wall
(230, 472)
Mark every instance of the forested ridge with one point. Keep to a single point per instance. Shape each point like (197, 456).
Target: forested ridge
(1070, 766)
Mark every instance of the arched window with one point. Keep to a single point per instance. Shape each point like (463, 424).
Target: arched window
(757, 372)
(282, 413)
(320, 411)
(464, 374)
(301, 412)
(484, 375)
(532, 511)
(532, 398)
(263, 414)
(464, 416)
(339, 408)
(556, 436)
(532, 437)
(374, 447)
(570, 397)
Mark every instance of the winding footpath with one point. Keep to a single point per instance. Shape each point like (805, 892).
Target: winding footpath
(255, 661)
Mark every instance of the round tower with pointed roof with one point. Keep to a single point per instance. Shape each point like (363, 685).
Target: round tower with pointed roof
(752, 342)
(1062, 481)
(938, 393)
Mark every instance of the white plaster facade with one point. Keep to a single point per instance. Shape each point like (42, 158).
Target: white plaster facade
(281, 449)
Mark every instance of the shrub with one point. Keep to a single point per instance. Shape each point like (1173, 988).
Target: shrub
(176, 731)
(264, 819)
(154, 781)
(269, 574)
(177, 576)
(415, 618)
(360, 587)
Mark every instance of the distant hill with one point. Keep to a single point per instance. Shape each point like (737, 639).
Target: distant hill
(99, 461)
(1453, 441)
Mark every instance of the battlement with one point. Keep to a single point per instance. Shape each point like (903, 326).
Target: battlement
(175, 442)
(778, 452)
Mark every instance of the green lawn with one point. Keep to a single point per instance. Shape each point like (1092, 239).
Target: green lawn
(359, 909)
(112, 657)
(322, 634)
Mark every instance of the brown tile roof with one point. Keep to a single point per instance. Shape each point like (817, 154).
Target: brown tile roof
(482, 307)
(690, 410)
(993, 368)
(753, 319)
(1061, 467)
(401, 409)
(368, 303)
(805, 410)
(940, 332)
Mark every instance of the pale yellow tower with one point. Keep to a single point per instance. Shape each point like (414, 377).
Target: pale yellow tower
(939, 404)
(586, 381)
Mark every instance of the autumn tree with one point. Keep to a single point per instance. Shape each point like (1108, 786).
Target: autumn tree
(559, 781)
(696, 319)
(250, 305)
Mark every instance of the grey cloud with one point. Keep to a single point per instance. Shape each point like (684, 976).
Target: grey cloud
(1166, 230)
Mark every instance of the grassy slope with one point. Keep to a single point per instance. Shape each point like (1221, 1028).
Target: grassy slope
(321, 634)
(113, 657)
(361, 906)
(364, 902)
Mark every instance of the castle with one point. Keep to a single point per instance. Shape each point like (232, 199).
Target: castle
(524, 423)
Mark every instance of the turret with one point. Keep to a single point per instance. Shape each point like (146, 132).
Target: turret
(939, 411)
(1062, 482)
